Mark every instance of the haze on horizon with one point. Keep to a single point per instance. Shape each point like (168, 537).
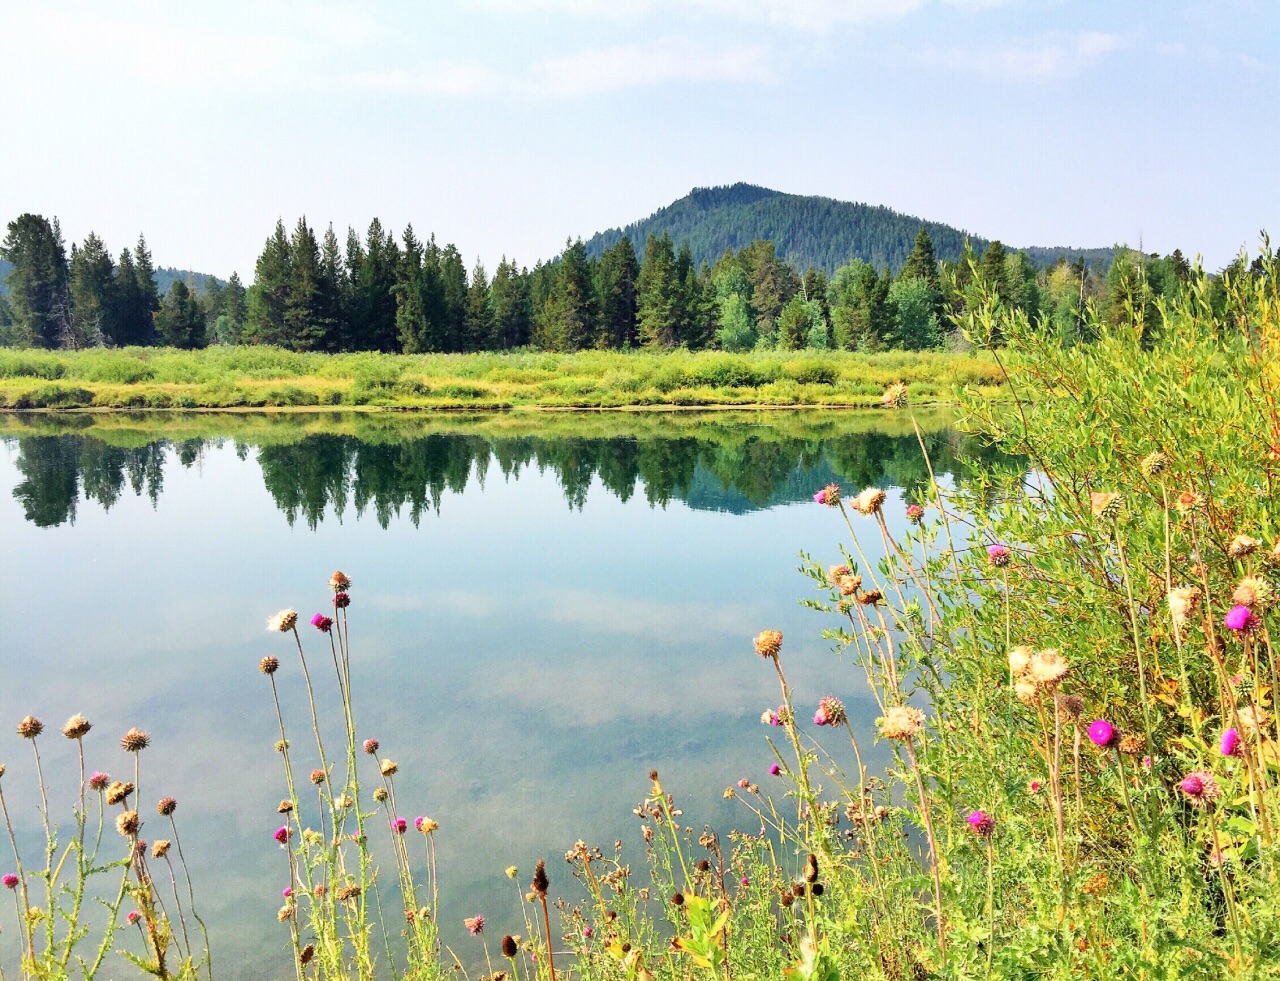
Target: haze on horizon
(506, 126)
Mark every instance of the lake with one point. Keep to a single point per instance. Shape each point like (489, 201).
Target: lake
(545, 607)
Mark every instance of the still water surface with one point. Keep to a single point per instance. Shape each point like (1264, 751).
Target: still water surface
(544, 609)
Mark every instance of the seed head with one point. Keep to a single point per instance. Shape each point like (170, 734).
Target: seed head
(1020, 659)
(869, 501)
(318, 777)
(388, 768)
(77, 727)
(1253, 720)
(30, 727)
(982, 824)
(540, 882)
(901, 722)
(380, 794)
(811, 868)
(1154, 464)
(1130, 745)
(769, 643)
(1105, 504)
(1253, 592)
(1183, 602)
(508, 946)
(829, 495)
(160, 848)
(349, 891)
(849, 585)
(427, 826)
(167, 806)
(135, 741)
(895, 396)
(1071, 705)
(307, 953)
(1047, 669)
(339, 582)
(341, 802)
(269, 664)
(127, 823)
(282, 622)
(1188, 501)
(285, 913)
(119, 791)
(1025, 690)
(1242, 545)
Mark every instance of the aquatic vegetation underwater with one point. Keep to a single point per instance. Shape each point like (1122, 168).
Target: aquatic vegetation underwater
(1075, 676)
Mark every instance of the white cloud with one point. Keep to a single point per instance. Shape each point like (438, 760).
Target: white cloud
(670, 59)
(1029, 60)
(812, 15)
(452, 79)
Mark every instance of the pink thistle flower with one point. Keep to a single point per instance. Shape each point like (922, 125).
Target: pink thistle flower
(1103, 734)
(746, 881)
(133, 917)
(371, 746)
(98, 780)
(998, 554)
(1146, 762)
(401, 825)
(774, 770)
(286, 892)
(474, 925)
(322, 623)
(744, 783)
(829, 495)
(417, 822)
(1230, 744)
(914, 513)
(1201, 788)
(341, 600)
(586, 933)
(10, 880)
(982, 824)
(820, 497)
(830, 712)
(1241, 619)
(1033, 786)
(283, 834)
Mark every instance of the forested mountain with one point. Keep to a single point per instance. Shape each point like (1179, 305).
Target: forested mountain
(165, 277)
(807, 230)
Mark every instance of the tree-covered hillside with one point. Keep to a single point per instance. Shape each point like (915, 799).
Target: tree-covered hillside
(808, 230)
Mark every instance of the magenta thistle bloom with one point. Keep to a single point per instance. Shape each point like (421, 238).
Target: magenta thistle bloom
(322, 622)
(474, 925)
(133, 917)
(371, 746)
(417, 822)
(914, 513)
(341, 600)
(1201, 788)
(1230, 744)
(998, 554)
(746, 881)
(1241, 619)
(10, 880)
(98, 780)
(1103, 734)
(820, 497)
(401, 825)
(282, 834)
(982, 824)
(774, 770)
(586, 933)
(286, 892)
(830, 712)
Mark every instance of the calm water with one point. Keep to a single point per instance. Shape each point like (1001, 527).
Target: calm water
(543, 610)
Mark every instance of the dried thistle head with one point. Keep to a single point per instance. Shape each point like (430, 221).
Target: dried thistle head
(339, 582)
(901, 722)
(429, 826)
(1020, 659)
(318, 776)
(306, 954)
(1154, 464)
(1253, 592)
(388, 768)
(127, 823)
(1130, 745)
(30, 727)
(540, 882)
(166, 806)
(1105, 504)
(1242, 545)
(508, 946)
(77, 727)
(119, 791)
(869, 501)
(1183, 602)
(349, 891)
(341, 801)
(769, 643)
(285, 913)
(1070, 705)
(281, 745)
(895, 396)
(380, 794)
(269, 664)
(371, 747)
(837, 572)
(135, 740)
(283, 622)
(1047, 669)
(871, 597)
(160, 848)
(1188, 501)
(1026, 691)
(811, 868)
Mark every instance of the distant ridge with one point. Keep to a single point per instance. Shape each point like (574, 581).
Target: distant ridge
(164, 276)
(807, 230)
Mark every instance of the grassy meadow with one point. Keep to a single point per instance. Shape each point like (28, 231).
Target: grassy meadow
(265, 377)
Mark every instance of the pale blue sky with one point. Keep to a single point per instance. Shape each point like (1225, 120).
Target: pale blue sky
(507, 125)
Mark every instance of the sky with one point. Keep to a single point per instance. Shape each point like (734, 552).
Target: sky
(508, 126)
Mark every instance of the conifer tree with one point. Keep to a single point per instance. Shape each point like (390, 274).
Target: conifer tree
(512, 308)
(127, 317)
(302, 328)
(148, 291)
(38, 296)
(180, 321)
(93, 302)
(411, 318)
(616, 276)
(453, 283)
(478, 322)
(658, 295)
(268, 298)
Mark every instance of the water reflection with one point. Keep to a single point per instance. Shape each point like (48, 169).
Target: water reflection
(733, 466)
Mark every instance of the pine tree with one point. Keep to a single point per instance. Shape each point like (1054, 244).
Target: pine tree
(768, 286)
(180, 320)
(411, 318)
(453, 283)
(567, 320)
(303, 331)
(512, 308)
(921, 263)
(478, 323)
(234, 311)
(127, 298)
(658, 295)
(268, 298)
(38, 295)
(329, 294)
(616, 276)
(93, 302)
(793, 325)
(373, 292)
(148, 292)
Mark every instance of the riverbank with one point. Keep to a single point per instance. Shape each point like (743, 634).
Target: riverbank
(264, 377)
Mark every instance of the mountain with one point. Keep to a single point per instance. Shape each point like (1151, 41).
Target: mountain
(163, 277)
(807, 230)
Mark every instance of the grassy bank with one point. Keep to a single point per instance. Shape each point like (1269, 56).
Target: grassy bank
(257, 377)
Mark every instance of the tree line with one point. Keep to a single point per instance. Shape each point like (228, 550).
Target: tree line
(380, 293)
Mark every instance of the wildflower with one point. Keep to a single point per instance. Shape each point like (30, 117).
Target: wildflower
(768, 717)
(745, 881)
(895, 396)
(371, 747)
(508, 946)
(830, 712)
(282, 745)
(915, 513)
(322, 623)
(1230, 743)
(428, 826)
(829, 495)
(282, 834)
(10, 880)
(1200, 788)
(1253, 591)
(999, 555)
(77, 727)
(511, 870)
(901, 722)
(160, 848)
(341, 601)
(1033, 786)
(1096, 884)
(744, 783)
(1146, 762)
(118, 791)
(341, 802)
(1241, 619)
(982, 824)
(167, 806)
(586, 931)
(284, 621)
(388, 768)
(768, 643)
(286, 892)
(1242, 545)
(349, 891)
(1048, 668)
(1154, 464)
(785, 717)
(871, 597)
(380, 794)
(848, 585)
(774, 770)
(318, 777)
(1188, 501)
(1105, 504)
(1252, 719)
(1020, 659)
(1183, 602)
(127, 823)
(133, 917)
(98, 780)
(474, 925)
(400, 825)
(837, 572)
(269, 664)
(285, 913)
(30, 727)
(135, 740)
(1130, 745)
(1103, 734)
(869, 501)
(1026, 691)
(339, 582)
